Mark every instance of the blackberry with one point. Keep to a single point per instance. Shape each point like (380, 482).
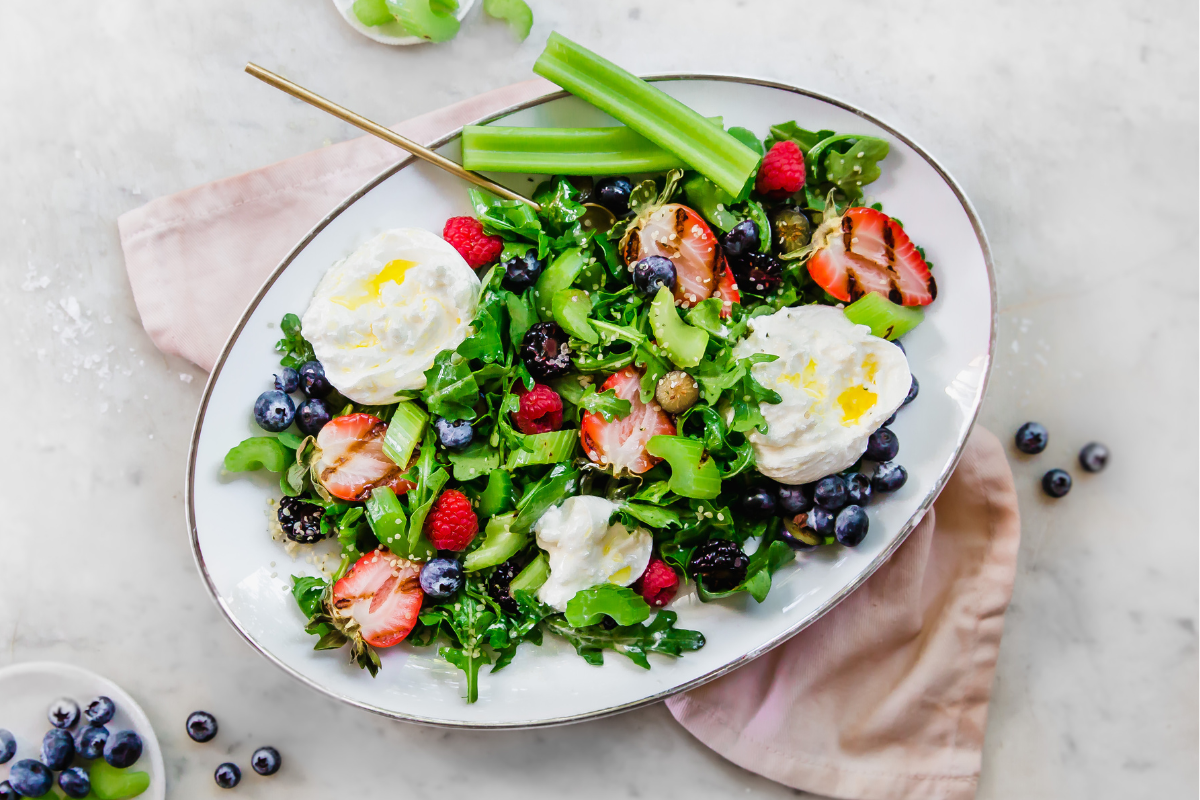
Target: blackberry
(300, 520)
(521, 272)
(498, 585)
(545, 352)
(757, 273)
(720, 564)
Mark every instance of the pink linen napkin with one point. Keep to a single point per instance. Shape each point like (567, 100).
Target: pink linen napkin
(884, 698)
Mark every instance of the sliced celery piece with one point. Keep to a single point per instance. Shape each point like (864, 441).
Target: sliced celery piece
(683, 344)
(885, 319)
(500, 543)
(403, 433)
(561, 273)
(515, 12)
(533, 576)
(372, 12)
(564, 151)
(556, 447)
(259, 452)
(425, 19)
(571, 308)
(498, 496)
(386, 517)
(651, 112)
(692, 475)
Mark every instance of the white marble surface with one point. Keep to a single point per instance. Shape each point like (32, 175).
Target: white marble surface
(1072, 125)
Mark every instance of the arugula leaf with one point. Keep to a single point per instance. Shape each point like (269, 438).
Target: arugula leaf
(308, 593)
(633, 641)
(451, 390)
(485, 342)
(653, 368)
(747, 137)
(295, 348)
(558, 483)
(605, 403)
(509, 218)
(790, 131)
(475, 460)
(469, 619)
(560, 208)
(622, 604)
(522, 314)
(857, 166)
(654, 516)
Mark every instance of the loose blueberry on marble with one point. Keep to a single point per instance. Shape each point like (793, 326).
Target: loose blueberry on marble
(288, 380)
(100, 711)
(75, 782)
(851, 526)
(227, 775)
(1032, 438)
(858, 489)
(58, 749)
(794, 500)
(63, 713)
(91, 741)
(1093, 457)
(830, 493)
(30, 778)
(201, 726)
(1056, 482)
(882, 445)
(266, 761)
(888, 477)
(8, 746)
(123, 749)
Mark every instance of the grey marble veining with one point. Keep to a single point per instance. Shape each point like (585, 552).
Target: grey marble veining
(1072, 126)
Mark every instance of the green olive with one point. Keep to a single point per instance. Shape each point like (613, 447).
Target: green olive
(676, 392)
(802, 532)
(790, 229)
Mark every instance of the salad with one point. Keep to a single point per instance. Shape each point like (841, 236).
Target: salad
(670, 373)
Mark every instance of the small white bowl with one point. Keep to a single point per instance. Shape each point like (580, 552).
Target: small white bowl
(392, 33)
(27, 690)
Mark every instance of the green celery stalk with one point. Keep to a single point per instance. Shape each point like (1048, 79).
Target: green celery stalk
(660, 118)
(386, 517)
(544, 448)
(533, 576)
(564, 151)
(403, 433)
(500, 543)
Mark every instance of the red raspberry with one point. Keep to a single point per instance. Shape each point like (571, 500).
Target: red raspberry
(658, 583)
(451, 524)
(782, 171)
(541, 410)
(467, 237)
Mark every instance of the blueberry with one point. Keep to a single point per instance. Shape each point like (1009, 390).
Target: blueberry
(301, 522)
(8, 746)
(227, 775)
(454, 435)
(123, 749)
(720, 565)
(887, 423)
(521, 272)
(613, 194)
(545, 352)
(758, 502)
(900, 344)
(830, 492)
(201, 726)
(58, 749)
(63, 713)
(882, 445)
(888, 477)
(858, 489)
(288, 380)
(312, 378)
(274, 411)
(30, 778)
(653, 272)
(794, 500)
(741, 240)
(99, 711)
(312, 415)
(266, 761)
(441, 578)
(1056, 482)
(91, 741)
(851, 526)
(1093, 457)
(1032, 438)
(75, 782)
(822, 521)
(913, 389)
(7, 792)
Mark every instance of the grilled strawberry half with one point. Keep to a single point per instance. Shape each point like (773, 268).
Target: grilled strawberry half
(865, 250)
(621, 443)
(727, 288)
(378, 600)
(680, 234)
(351, 461)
